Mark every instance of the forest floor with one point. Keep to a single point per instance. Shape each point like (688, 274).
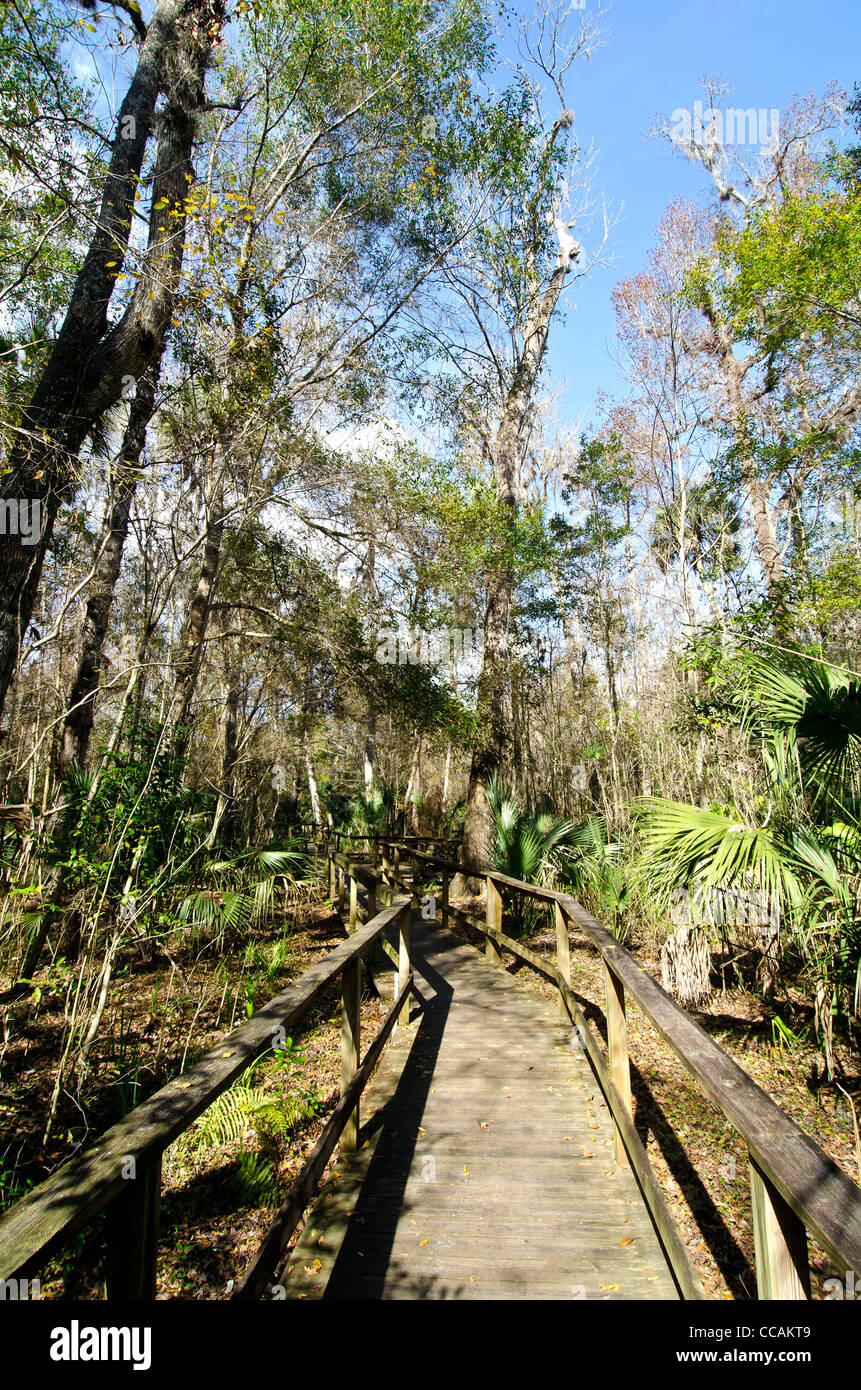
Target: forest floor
(223, 1178)
(700, 1160)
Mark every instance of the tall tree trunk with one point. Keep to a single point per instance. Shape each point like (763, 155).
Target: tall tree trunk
(225, 811)
(573, 646)
(764, 530)
(371, 746)
(508, 449)
(80, 707)
(188, 664)
(446, 780)
(313, 790)
(91, 363)
(413, 795)
(765, 536)
(231, 751)
(489, 746)
(77, 727)
(370, 587)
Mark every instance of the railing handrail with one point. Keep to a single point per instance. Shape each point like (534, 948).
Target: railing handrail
(818, 1191)
(372, 834)
(69, 1199)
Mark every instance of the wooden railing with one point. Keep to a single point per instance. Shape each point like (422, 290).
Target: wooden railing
(795, 1188)
(121, 1172)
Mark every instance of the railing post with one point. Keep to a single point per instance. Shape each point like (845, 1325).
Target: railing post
(132, 1221)
(354, 902)
(563, 954)
(372, 900)
(331, 873)
(342, 883)
(396, 867)
(492, 951)
(351, 996)
(780, 1241)
(417, 883)
(403, 963)
(446, 878)
(617, 1046)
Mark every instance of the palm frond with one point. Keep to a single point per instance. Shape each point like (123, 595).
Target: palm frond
(687, 846)
(820, 707)
(525, 842)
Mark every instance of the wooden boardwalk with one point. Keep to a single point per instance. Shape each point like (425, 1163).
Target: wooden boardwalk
(486, 1167)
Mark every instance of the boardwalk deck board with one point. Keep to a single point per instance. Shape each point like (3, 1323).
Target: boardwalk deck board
(486, 1168)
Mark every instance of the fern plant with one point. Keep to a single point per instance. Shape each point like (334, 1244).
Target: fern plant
(245, 1109)
(255, 1180)
(229, 1118)
(245, 1112)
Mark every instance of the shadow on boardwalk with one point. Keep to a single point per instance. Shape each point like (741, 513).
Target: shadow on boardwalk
(487, 1169)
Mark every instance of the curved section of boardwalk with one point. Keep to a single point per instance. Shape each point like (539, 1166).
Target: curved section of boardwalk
(486, 1165)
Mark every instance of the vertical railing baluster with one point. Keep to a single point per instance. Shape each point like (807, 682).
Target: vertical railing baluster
(385, 866)
(492, 951)
(780, 1241)
(403, 963)
(132, 1237)
(351, 996)
(617, 1046)
(416, 867)
(372, 900)
(563, 954)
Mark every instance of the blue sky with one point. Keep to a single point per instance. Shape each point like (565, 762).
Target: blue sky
(656, 53)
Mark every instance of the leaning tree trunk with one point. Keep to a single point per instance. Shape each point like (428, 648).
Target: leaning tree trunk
(91, 364)
(80, 707)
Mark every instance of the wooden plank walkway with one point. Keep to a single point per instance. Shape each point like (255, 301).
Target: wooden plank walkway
(486, 1166)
